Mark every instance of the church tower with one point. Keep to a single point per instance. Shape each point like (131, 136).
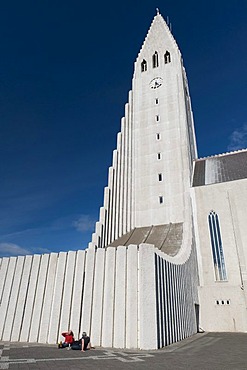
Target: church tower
(150, 176)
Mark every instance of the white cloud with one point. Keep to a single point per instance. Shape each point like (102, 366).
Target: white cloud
(84, 223)
(10, 249)
(238, 138)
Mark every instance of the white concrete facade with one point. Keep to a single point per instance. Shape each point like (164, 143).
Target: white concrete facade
(118, 302)
(223, 303)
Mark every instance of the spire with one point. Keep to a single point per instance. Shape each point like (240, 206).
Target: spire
(158, 37)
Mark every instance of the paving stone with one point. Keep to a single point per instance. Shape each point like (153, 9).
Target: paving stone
(208, 351)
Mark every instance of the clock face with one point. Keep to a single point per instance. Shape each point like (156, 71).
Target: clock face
(156, 82)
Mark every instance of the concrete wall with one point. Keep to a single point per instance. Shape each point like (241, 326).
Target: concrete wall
(176, 296)
(223, 303)
(113, 294)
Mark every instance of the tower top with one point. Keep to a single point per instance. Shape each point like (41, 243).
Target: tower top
(158, 36)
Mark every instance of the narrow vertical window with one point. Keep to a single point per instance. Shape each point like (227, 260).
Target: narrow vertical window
(160, 177)
(157, 118)
(158, 136)
(159, 156)
(143, 65)
(161, 199)
(156, 101)
(217, 247)
(155, 60)
(167, 57)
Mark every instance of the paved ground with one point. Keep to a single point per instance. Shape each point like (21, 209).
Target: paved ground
(210, 351)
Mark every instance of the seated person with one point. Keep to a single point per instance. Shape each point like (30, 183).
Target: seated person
(83, 343)
(68, 339)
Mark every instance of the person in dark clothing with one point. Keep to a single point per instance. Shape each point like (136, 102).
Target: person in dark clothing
(83, 343)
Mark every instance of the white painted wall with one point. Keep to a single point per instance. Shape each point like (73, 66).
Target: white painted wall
(229, 201)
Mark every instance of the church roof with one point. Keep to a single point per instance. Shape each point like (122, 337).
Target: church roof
(167, 237)
(221, 168)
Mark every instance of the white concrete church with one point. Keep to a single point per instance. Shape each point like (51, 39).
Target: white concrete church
(169, 251)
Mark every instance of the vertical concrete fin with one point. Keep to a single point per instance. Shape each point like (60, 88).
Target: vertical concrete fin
(132, 297)
(119, 335)
(67, 292)
(114, 196)
(106, 206)
(97, 308)
(3, 275)
(121, 179)
(108, 300)
(119, 165)
(49, 291)
(21, 302)
(31, 293)
(76, 304)
(147, 298)
(53, 333)
(6, 293)
(129, 164)
(39, 299)
(88, 291)
(110, 208)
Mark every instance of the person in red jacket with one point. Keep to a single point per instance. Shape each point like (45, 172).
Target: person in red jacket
(68, 339)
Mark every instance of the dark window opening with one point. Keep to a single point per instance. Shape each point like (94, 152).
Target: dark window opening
(167, 57)
(155, 60)
(161, 200)
(144, 65)
(158, 155)
(158, 136)
(156, 101)
(160, 176)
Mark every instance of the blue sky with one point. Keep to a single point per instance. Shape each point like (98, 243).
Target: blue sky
(65, 72)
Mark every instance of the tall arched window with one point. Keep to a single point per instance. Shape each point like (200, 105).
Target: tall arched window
(144, 65)
(217, 248)
(155, 60)
(167, 57)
